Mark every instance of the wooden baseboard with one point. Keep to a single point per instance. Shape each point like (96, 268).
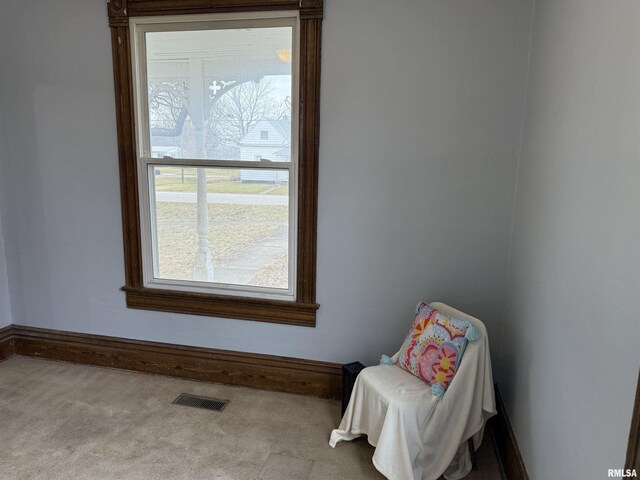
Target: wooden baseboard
(282, 374)
(509, 455)
(6, 342)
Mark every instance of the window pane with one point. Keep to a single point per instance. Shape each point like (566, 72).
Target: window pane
(239, 237)
(220, 94)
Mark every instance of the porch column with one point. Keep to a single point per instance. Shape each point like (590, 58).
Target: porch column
(203, 269)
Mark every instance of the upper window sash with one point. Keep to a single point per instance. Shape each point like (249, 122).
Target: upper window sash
(140, 27)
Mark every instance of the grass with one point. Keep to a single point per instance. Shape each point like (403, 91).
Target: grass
(222, 212)
(232, 228)
(275, 275)
(177, 245)
(218, 181)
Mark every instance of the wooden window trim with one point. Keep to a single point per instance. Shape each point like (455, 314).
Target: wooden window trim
(302, 311)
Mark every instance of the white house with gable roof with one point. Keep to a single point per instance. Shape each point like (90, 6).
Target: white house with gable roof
(266, 140)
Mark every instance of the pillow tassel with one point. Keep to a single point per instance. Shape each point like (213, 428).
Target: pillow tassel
(472, 334)
(385, 360)
(437, 390)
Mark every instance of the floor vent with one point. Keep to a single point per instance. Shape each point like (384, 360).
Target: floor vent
(214, 404)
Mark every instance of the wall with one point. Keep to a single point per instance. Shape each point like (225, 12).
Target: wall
(5, 306)
(570, 357)
(417, 162)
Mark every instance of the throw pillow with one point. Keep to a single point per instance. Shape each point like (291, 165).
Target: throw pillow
(434, 347)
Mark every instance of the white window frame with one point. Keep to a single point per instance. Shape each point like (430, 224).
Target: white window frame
(145, 162)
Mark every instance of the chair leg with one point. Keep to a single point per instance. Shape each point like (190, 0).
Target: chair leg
(472, 452)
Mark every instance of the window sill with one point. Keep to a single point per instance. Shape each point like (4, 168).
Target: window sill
(244, 308)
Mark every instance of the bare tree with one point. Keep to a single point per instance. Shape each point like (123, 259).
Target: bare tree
(167, 106)
(241, 107)
(232, 109)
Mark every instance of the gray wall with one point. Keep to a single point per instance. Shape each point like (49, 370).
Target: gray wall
(570, 357)
(417, 161)
(5, 306)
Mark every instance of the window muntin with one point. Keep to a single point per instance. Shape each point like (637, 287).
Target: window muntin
(205, 93)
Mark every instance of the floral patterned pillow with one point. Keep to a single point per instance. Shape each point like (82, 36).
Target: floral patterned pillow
(434, 347)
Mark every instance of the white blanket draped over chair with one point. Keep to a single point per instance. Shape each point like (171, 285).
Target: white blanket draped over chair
(418, 436)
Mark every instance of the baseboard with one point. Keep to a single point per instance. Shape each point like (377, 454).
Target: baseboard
(509, 455)
(282, 374)
(6, 342)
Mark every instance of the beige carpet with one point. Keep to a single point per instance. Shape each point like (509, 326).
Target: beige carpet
(66, 421)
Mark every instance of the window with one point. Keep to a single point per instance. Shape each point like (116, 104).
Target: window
(218, 221)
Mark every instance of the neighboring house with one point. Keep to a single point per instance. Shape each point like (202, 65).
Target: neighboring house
(168, 151)
(162, 145)
(266, 140)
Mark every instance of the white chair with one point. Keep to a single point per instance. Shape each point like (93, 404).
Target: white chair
(418, 436)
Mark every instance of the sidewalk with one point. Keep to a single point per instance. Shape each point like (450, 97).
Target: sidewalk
(243, 267)
(233, 198)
